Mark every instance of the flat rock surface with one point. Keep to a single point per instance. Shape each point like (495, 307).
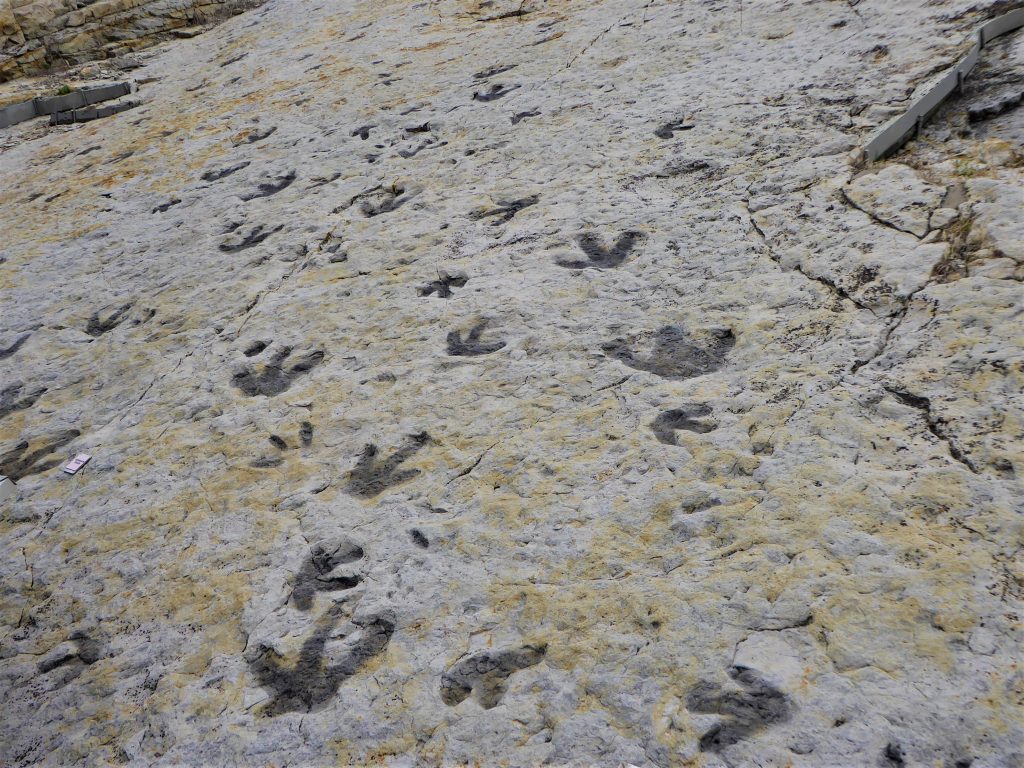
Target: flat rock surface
(514, 383)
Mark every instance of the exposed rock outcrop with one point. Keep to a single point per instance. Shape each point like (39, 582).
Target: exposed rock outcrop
(36, 34)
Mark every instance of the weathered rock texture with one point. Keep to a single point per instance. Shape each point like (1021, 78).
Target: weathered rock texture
(517, 383)
(35, 34)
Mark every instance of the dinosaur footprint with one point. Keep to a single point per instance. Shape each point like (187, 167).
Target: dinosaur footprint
(691, 418)
(744, 712)
(109, 318)
(72, 657)
(251, 237)
(668, 130)
(275, 377)
(272, 187)
(496, 92)
(319, 573)
(505, 211)
(380, 201)
(18, 397)
(305, 437)
(444, 284)
(106, 320)
(21, 462)
(8, 351)
(339, 644)
(371, 478)
(471, 346)
(601, 257)
(485, 674)
(677, 355)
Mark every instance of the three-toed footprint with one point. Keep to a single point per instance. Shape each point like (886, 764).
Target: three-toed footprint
(278, 373)
(342, 638)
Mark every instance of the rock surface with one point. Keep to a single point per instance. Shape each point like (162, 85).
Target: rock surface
(36, 34)
(517, 383)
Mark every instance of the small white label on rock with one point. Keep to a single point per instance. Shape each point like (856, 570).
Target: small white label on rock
(77, 463)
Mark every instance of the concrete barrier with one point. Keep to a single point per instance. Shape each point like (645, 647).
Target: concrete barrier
(92, 113)
(49, 105)
(899, 130)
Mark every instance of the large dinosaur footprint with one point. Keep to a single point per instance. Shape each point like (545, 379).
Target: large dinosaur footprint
(315, 676)
(744, 712)
(471, 346)
(676, 354)
(600, 257)
(370, 477)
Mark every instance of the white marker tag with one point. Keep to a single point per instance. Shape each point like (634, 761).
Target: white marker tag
(77, 463)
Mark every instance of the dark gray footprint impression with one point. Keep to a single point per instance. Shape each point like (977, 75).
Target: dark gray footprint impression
(18, 397)
(276, 459)
(496, 91)
(106, 320)
(380, 200)
(485, 674)
(314, 679)
(250, 237)
(318, 673)
(24, 459)
(676, 354)
(667, 131)
(600, 257)
(443, 285)
(505, 211)
(274, 377)
(320, 572)
(6, 352)
(372, 477)
(692, 418)
(72, 661)
(471, 346)
(744, 712)
(272, 187)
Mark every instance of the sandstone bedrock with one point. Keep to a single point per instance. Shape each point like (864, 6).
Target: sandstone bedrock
(519, 383)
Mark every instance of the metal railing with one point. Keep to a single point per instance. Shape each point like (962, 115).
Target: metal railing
(49, 105)
(899, 130)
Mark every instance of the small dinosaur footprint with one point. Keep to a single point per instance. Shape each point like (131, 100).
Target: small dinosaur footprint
(505, 211)
(485, 673)
(601, 257)
(103, 321)
(275, 460)
(370, 477)
(271, 187)
(318, 574)
(496, 92)
(668, 130)
(691, 418)
(471, 346)
(274, 377)
(444, 284)
(744, 712)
